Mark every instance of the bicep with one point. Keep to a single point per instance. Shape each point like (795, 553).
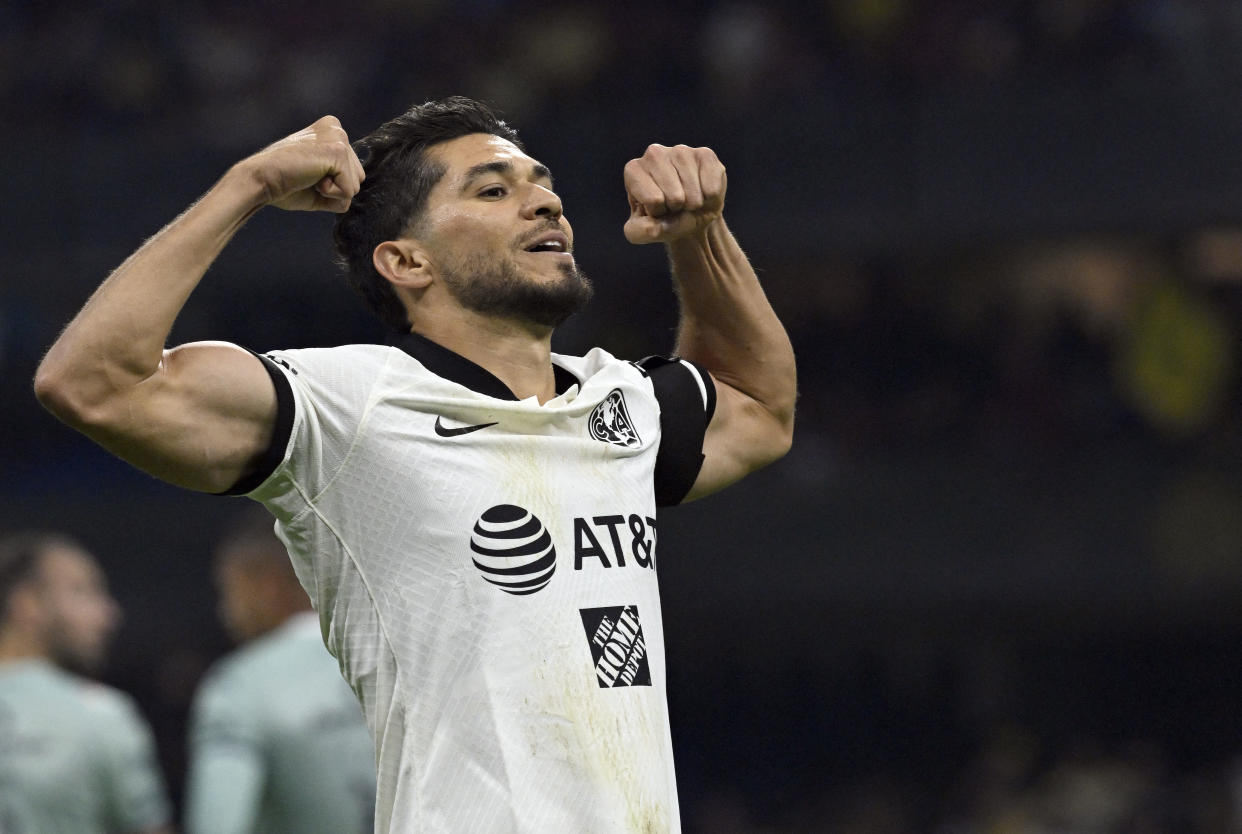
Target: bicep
(743, 436)
(201, 421)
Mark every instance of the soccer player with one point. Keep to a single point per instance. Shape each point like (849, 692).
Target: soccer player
(277, 742)
(75, 756)
(473, 515)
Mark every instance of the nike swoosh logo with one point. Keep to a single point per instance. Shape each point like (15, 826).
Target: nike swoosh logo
(445, 431)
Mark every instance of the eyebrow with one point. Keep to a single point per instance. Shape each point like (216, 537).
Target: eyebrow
(538, 170)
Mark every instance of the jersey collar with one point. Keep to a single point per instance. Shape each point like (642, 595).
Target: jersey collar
(456, 368)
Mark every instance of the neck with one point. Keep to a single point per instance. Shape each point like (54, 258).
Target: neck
(517, 353)
(284, 610)
(15, 645)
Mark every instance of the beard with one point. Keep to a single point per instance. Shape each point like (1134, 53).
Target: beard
(496, 287)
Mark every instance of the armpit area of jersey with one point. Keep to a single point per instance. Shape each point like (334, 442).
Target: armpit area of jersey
(687, 398)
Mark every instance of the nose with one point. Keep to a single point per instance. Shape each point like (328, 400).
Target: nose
(543, 202)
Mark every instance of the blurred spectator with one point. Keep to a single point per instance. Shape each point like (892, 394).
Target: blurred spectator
(277, 741)
(75, 756)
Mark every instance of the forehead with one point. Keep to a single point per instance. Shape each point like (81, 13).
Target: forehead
(466, 153)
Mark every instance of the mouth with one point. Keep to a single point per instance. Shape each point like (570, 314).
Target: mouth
(550, 242)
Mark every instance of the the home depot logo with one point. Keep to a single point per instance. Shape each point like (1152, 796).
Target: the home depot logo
(617, 646)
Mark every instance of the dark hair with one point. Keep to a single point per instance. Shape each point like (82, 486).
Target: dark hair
(19, 560)
(399, 176)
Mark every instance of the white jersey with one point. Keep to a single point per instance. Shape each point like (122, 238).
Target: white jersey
(484, 569)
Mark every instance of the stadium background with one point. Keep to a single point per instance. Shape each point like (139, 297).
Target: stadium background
(997, 584)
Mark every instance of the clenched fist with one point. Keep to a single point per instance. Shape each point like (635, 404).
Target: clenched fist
(315, 169)
(673, 192)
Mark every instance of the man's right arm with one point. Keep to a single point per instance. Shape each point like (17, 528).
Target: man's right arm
(199, 415)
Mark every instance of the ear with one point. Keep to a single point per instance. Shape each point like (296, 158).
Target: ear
(403, 262)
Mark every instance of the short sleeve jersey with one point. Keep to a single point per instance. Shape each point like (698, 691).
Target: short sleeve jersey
(278, 744)
(484, 568)
(75, 756)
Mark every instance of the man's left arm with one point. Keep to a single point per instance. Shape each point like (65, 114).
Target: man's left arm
(726, 323)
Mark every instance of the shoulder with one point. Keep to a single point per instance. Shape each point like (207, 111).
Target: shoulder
(108, 712)
(598, 361)
(235, 671)
(355, 358)
(262, 664)
(101, 699)
(226, 696)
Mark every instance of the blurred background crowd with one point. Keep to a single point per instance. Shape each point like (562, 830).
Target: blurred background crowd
(997, 584)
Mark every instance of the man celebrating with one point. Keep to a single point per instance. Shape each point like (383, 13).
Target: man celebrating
(277, 744)
(75, 756)
(472, 515)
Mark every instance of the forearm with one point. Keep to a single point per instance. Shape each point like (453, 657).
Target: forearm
(117, 339)
(726, 322)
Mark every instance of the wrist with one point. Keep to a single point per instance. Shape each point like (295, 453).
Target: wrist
(244, 186)
(697, 240)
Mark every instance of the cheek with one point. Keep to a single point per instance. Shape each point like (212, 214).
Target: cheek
(92, 613)
(451, 228)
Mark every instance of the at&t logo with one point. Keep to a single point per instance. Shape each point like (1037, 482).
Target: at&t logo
(513, 550)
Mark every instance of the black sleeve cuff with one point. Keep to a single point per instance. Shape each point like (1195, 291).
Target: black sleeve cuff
(283, 428)
(685, 411)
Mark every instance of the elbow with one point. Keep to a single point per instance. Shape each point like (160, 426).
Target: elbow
(775, 440)
(781, 421)
(786, 438)
(51, 390)
(781, 438)
(773, 420)
(56, 390)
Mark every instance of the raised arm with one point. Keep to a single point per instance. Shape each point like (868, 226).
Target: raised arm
(727, 325)
(198, 415)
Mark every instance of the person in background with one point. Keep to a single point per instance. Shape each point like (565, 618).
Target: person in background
(278, 744)
(76, 757)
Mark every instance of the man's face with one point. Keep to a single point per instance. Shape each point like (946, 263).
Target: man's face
(495, 234)
(79, 616)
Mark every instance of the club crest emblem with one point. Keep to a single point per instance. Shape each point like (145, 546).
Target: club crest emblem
(610, 422)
